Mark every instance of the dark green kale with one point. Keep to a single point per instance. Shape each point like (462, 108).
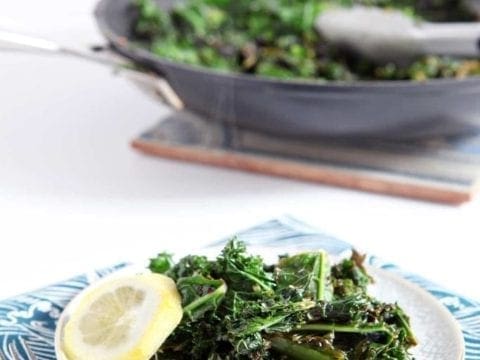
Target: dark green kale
(309, 273)
(162, 263)
(276, 38)
(243, 272)
(237, 307)
(349, 276)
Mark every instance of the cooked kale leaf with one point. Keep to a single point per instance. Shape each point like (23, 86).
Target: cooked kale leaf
(237, 307)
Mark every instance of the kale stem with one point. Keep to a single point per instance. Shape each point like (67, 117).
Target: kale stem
(261, 283)
(303, 352)
(353, 329)
(214, 297)
(260, 324)
(406, 325)
(322, 270)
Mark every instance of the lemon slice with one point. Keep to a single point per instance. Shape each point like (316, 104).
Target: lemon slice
(126, 318)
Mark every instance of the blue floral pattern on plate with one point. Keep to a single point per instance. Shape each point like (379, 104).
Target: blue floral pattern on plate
(27, 322)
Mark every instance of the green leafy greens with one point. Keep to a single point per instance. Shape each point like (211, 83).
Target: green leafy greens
(276, 38)
(238, 307)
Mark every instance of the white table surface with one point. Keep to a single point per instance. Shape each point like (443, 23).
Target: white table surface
(73, 195)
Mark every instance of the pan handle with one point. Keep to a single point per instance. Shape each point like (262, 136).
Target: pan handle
(149, 81)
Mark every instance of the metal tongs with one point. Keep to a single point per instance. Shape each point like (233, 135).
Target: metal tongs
(147, 81)
(391, 36)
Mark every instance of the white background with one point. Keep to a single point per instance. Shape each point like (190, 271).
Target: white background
(73, 195)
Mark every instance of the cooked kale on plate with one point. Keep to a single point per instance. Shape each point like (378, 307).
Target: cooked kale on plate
(276, 38)
(302, 307)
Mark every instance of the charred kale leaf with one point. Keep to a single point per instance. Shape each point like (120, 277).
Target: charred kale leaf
(237, 307)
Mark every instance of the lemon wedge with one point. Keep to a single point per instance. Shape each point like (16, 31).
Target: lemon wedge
(125, 318)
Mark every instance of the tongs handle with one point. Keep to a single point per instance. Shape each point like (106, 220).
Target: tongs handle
(455, 39)
(19, 42)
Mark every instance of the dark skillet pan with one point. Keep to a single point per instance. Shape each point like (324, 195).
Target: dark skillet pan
(387, 109)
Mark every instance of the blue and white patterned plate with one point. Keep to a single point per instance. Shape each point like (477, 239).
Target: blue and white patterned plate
(28, 322)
